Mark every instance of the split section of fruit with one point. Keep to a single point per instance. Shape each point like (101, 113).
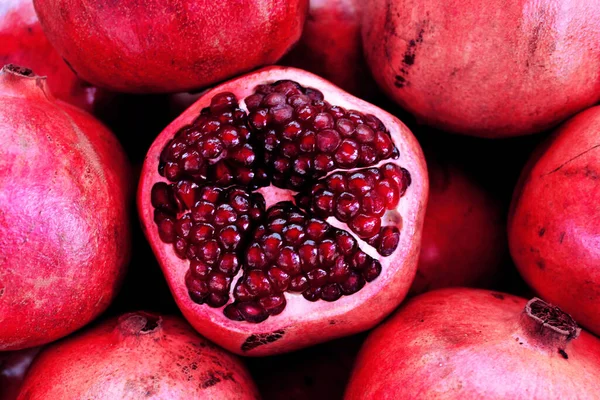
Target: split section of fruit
(282, 198)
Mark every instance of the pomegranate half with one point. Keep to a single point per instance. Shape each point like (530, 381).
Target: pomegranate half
(24, 43)
(487, 68)
(554, 223)
(464, 236)
(138, 355)
(477, 344)
(63, 214)
(169, 46)
(289, 202)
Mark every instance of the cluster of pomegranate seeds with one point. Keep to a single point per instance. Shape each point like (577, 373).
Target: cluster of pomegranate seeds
(291, 138)
(360, 198)
(296, 253)
(206, 225)
(305, 137)
(215, 148)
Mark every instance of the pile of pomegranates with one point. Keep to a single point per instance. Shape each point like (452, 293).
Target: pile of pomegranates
(299, 199)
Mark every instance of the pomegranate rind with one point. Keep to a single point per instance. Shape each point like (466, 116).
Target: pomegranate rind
(64, 214)
(301, 323)
(462, 343)
(554, 223)
(137, 355)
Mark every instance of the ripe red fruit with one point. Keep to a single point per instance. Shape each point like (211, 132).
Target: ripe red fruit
(486, 68)
(464, 232)
(138, 355)
(554, 223)
(331, 46)
(255, 198)
(13, 367)
(24, 43)
(169, 46)
(476, 344)
(63, 214)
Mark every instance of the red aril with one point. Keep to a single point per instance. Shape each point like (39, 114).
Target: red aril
(138, 355)
(477, 344)
(464, 240)
(13, 367)
(331, 47)
(24, 43)
(169, 46)
(554, 223)
(486, 68)
(283, 211)
(63, 214)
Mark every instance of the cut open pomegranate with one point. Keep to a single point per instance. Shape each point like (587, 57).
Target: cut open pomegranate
(284, 211)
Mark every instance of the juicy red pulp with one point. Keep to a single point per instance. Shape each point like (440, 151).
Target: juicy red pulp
(293, 139)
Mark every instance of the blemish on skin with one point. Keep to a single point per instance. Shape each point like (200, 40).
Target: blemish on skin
(541, 232)
(409, 57)
(563, 354)
(541, 264)
(254, 341)
(561, 238)
(332, 322)
(499, 296)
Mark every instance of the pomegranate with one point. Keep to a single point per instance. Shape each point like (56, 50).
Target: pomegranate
(464, 232)
(331, 46)
(477, 344)
(13, 367)
(486, 68)
(24, 43)
(169, 46)
(554, 223)
(138, 355)
(318, 373)
(284, 212)
(63, 214)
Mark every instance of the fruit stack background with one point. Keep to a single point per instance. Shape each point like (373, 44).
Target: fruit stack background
(294, 199)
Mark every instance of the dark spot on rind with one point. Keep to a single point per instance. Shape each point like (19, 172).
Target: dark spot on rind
(410, 54)
(563, 354)
(499, 296)
(541, 232)
(261, 339)
(541, 264)
(561, 238)
(332, 322)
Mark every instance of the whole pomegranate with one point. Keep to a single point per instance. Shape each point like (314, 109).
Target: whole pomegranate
(317, 373)
(63, 214)
(477, 344)
(331, 47)
(487, 68)
(169, 45)
(554, 223)
(24, 43)
(138, 355)
(284, 212)
(464, 232)
(13, 367)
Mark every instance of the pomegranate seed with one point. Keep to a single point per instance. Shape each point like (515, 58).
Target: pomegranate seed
(279, 278)
(273, 305)
(218, 283)
(328, 140)
(229, 264)
(257, 283)
(252, 312)
(346, 207)
(312, 294)
(365, 226)
(331, 292)
(352, 284)
(298, 284)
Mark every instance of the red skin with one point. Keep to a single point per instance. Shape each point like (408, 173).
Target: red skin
(331, 47)
(554, 225)
(24, 44)
(63, 214)
(127, 358)
(473, 344)
(174, 46)
(302, 323)
(486, 68)
(464, 232)
(13, 367)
